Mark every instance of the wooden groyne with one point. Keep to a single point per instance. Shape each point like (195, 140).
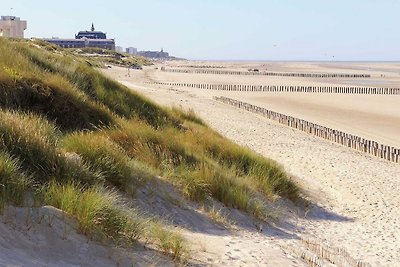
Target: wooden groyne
(289, 88)
(337, 256)
(355, 142)
(276, 74)
(200, 66)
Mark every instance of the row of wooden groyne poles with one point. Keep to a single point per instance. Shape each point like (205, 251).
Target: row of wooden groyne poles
(322, 253)
(279, 74)
(289, 88)
(367, 146)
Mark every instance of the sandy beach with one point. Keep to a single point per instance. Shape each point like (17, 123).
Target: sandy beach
(355, 196)
(374, 117)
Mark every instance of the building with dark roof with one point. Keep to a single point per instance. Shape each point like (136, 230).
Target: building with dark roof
(92, 34)
(83, 39)
(154, 54)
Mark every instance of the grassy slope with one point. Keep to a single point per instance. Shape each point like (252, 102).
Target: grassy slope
(71, 135)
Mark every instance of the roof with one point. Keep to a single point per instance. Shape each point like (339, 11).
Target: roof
(10, 18)
(100, 40)
(91, 32)
(64, 40)
(78, 40)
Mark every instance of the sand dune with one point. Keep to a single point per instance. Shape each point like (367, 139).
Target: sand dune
(356, 195)
(47, 236)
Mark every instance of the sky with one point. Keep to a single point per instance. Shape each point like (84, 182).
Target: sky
(341, 30)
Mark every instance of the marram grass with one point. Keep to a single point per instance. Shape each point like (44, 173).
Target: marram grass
(81, 136)
(107, 158)
(13, 181)
(102, 215)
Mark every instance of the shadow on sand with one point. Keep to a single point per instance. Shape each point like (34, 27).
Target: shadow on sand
(161, 200)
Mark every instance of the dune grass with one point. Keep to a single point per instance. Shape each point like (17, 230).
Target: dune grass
(266, 175)
(29, 86)
(219, 216)
(34, 142)
(201, 168)
(157, 147)
(199, 150)
(118, 98)
(170, 242)
(13, 181)
(102, 214)
(82, 136)
(56, 99)
(97, 210)
(108, 159)
(187, 115)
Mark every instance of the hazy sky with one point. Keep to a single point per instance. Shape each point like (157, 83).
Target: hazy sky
(228, 29)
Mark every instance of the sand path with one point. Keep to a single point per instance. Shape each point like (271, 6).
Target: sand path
(357, 194)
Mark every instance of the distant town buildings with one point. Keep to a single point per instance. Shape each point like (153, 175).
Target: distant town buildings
(83, 39)
(131, 50)
(13, 27)
(149, 54)
(154, 54)
(119, 49)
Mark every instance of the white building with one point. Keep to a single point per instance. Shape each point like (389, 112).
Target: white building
(11, 26)
(131, 50)
(119, 49)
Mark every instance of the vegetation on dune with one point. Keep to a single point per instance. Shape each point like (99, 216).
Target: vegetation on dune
(29, 81)
(80, 136)
(102, 213)
(105, 157)
(34, 142)
(98, 211)
(99, 56)
(267, 176)
(70, 110)
(75, 87)
(13, 181)
(119, 99)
